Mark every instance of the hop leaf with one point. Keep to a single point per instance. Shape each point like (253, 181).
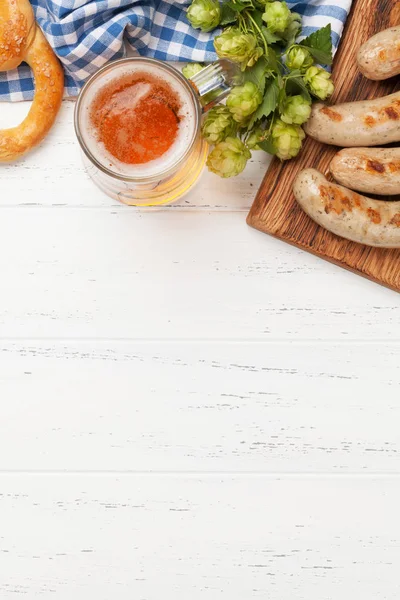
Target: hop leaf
(191, 69)
(296, 111)
(204, 14)
(277, 16)
(218, 125)
(286, 139)
(238, 47)
(228, 158)
(299, 58)
(319, 82)
(319, 44)
(243, 101)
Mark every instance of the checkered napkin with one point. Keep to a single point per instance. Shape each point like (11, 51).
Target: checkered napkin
(86, 34)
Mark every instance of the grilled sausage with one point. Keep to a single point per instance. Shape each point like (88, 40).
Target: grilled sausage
(346, 213)
(365, 123)
(371, 170)
(379, 57)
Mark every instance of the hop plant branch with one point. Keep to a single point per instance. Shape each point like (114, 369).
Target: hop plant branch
(281, 76)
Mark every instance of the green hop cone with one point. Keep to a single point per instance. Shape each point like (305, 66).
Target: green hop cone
(204, 14)
(253, 58)
(257, 135)
(243, 100)
(319, 82)
(228, 158)
(299, 58)
(238, 47)
(286, 139)
(191, 69)
(296, 111)
(292, 30)
(277, 16)
(218, 125)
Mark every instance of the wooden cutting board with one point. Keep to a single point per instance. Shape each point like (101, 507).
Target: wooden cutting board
(275, 210)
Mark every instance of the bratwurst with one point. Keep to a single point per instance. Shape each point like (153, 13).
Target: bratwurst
(363, 123)
(346, 213)
(371, 170)
(379, 57)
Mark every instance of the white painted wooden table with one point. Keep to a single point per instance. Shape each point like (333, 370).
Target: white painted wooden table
(189, 409)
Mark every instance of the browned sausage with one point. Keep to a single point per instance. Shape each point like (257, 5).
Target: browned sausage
(365, 123)
(346, 213)
(379, 57)
(371, 170)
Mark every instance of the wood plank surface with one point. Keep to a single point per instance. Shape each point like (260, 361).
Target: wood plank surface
(275, 210)
(216, 407)
(73, 272)
(198, 537)
(188, 409)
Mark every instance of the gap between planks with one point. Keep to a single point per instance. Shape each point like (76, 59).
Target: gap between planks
(132, 209)
(233, 341)
(271, 475)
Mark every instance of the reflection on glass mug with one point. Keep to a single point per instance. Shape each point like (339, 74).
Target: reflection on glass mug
(138, 121)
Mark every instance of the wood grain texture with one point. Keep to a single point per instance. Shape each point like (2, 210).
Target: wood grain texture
(199, 407)
(188, 408)
(199, 537)
(275, 210)
(104, 273)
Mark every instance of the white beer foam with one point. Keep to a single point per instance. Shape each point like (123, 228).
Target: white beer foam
(186, 130)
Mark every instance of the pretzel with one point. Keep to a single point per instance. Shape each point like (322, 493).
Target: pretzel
(21, 40)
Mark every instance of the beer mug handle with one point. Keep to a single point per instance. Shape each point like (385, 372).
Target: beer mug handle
(215, 81)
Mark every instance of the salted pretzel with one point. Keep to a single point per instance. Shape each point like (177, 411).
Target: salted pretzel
(21, 40)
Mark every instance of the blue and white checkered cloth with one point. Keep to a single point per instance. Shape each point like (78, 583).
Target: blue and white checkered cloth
(86, 34)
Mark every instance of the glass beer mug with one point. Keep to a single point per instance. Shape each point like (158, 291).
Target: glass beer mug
(174, 172)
